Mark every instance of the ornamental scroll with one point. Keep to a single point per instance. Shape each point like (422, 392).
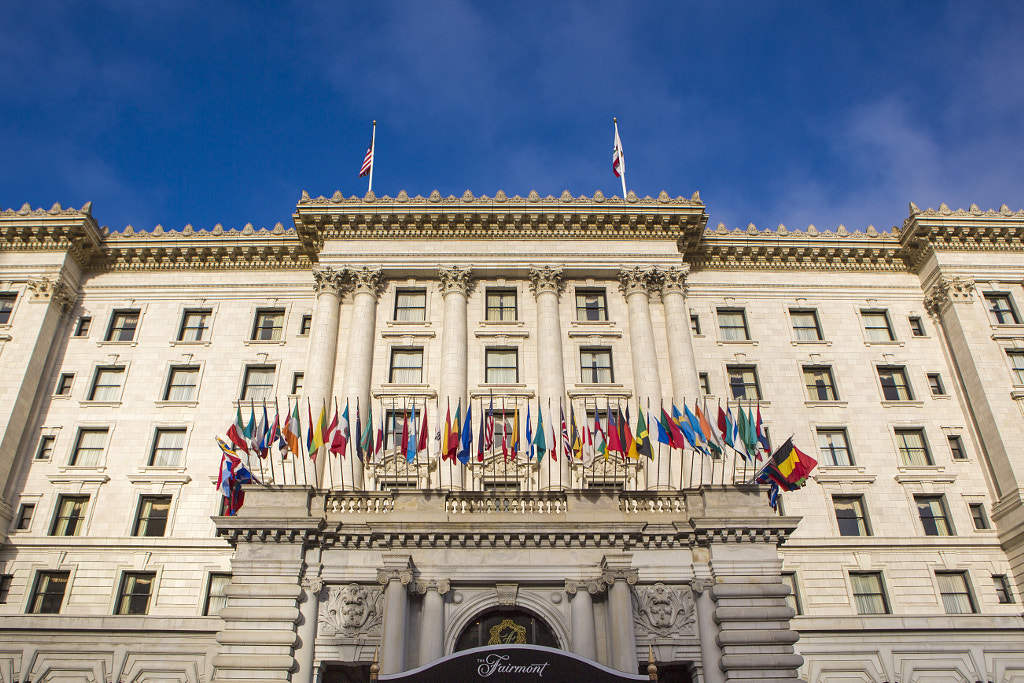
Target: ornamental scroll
(664, 612)
(351, 611)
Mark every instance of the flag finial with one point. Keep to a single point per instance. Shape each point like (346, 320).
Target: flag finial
(615, 119)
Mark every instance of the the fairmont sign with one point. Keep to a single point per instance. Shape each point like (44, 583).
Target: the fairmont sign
(513, 663)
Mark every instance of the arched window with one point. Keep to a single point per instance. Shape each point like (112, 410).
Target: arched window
(505, 627)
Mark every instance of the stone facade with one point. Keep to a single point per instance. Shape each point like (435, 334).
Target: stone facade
(892, 357)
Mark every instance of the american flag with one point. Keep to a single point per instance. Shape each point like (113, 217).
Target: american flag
(367, 161)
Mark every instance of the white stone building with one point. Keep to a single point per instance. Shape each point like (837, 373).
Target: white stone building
(895, 358)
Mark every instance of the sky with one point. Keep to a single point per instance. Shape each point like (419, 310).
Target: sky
(178, 112)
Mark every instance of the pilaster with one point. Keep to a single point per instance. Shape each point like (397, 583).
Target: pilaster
(395, 577)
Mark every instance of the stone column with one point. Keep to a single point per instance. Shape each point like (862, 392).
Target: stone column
(432, 622)
(707, 630)
(455, 284)
(619, 578)
(547, 285)
(395, 578)
(309, 613)
(636, 284)
(682, 363)
(581, 609)
(366, 287)
(318, 380)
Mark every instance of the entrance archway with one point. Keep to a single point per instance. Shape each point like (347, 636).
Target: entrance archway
(506, 627)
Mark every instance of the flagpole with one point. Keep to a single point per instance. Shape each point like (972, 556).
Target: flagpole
(270, 456)
(373, 147)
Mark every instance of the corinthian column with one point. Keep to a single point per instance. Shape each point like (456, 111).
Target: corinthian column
(546, 284)
(318, 380)
(395, 578)
(432, 621)
(455, 283)
(366, 287)
(677, 323)
(636, 284)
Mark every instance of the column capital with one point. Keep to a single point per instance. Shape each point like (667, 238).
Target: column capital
(546, 279)
(639, 280)
(327, 279)
(674, 279)
(366, 279)
(442, 586)
(455, 279)
(610, 576)
(947, 291)
(386, 576)
(698, 586)
(592, 586)
(53, 290)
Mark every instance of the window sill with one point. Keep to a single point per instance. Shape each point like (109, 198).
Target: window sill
(408, 332)
(931, 474)
(894, 342)
(843, 474)
(408, 323)
(592, 323)
(498, 323)
(737, 342)
(159, 475)
(264, 342)
(99, 404)
(409, 390)
(903, 404)
(176, 404)
(107, 342)
(180, 342)
(498, 333)
(811, 342)
(1017, 393)
(826, 404)
(64, 397)
(941, 397)
(501, 391)
(71, 474)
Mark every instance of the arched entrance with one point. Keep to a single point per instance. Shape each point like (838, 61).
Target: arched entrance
(506, 627)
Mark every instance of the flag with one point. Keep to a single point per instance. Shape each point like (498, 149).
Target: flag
(319, 429)
(751, 440)
(413, 440)
(447, 432)
(378, 447)
(250, 428)
(259, 437)
(232, 475)
(467, 435)
(341, 434)
(614, 436)
(276, 435)
(455, 436)
(540, 441)
(554, 441)
(482, 436)
(577, 441)
(504, 431)
(367, 166)
(403, 444)
(529, 435)
(359, 433)
(698, 433)
(643, 438)
(488, 440)
(330, 430)
(309, 432)
(514, 441)
(566, 441)
(421, 445)
(628, 442)
(788, 467)
(293, 431)
(618, 156)
(671, 424)
(366, 438)
(762, 438)
(236, 432)
(663, 430)
(587, 453)
(727, 426)
(600, 447)
(709, 433)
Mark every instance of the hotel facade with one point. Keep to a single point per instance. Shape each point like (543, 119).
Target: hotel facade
(895, 358)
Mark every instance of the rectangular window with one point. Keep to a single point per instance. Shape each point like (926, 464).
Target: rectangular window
(1017, 363)
(591, 305)
(82, 328)
(913, 449)
(123, 325)
(793, 599)
(935, 384)
(732, 324)
(894, 383)
(89, 448)
(406, 366)
(834, 447)
(1004, 592)
(168, 448)
(502, 366)
(410, 305)
(1001, 310)
(269, 324)
(705, 383)
(695, 324)
(743, 382)
(956, 595)
(297, 380)
(805, 325)
(64, 383)
(215, 598)
(932, 510)
(877, 327)
(916, 326)
(394, 424)
(305, 325)
(135, 592)
(70, 515)
(956, 447)
(978, 516)
(501, 305)
(106, 386)
(48, 592)
(259, 383)
(181, 383)
(25, 512)
(7, 307)
(819, 383)
(596, 366)
(5, 587)
(850, 516)
(45, 451)
(151, 518)
(869, 593)
(195, 323)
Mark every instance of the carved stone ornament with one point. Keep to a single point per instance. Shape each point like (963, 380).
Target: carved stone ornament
(949, 290)
(455, 279)
(386, 576)
(327, 279)
(698, 586)
(366, 280)
(351, 610)
(610, 576)
(639, 280)
(315, 584)
(674, 279)
(442, 586)
(546, 279)
(662, 611)
(592, 586)
(507, 593)
(53, 289)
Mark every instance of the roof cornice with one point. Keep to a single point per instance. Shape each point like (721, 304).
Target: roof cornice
(930, 230)
(71, 230)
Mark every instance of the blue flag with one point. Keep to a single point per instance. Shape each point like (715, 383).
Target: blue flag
(467, 436)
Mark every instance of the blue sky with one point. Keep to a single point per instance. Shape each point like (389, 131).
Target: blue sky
(175, 112)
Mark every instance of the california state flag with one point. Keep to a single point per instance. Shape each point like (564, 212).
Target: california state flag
(618, 157)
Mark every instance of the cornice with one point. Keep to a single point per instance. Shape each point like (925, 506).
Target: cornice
(59, 229)
(499, 217)
(944, 229)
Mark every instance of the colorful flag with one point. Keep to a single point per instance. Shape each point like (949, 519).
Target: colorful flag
(554, 443)
(566, 441)
(514, 440)
(727, 426)
(341, 434)
(421, 445)
(577, 440)
(378, 447)
(675, 433)
(467, 436)
(600, 446)
(366, 437)
(293, 431)
(367, 166)
(540, 441)
(320, 429)
(447, 433)
(488, 440)
(751, 440)
(643, 438)
(236, 432)
(762, 438)
(529, 435)
(482, 436)
(628, 442)
(618, 156)
(614, 435)
(588, 452)
(455, 437)
(309, 432)
(412, 446)
(359, 433)
(259, 437)
(708, 432)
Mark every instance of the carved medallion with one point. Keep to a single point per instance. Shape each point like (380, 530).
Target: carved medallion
(351, 610)
(663, 611)
(507, 632)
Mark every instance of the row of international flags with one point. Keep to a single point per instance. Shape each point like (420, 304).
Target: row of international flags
(459, 440)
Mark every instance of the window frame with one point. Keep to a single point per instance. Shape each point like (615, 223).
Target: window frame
(935, 384)
(82, 327)
(499, 351)
(798, 329)
(305, 324)
(695, 325)
(996, 313)
(37, 598)
(582, 311)
(125, 600)
(704, 381)
(298, 379)
(502, 308)
(201, 329)
(397, 370)
(170, 386)
(880, 594)
(62, 521)
(594, 369)
(275, 315)
(1017, 370)
(956, 445)
(859, 517)
(255, 370)
(7, 302)
(830, 453)
(6, 581)
(211, 596)
(26, 513)
(869, 330)
(979, 518)
(934, 524)
(144, 517)
(47, 442)
(732, 370)
(65, 384)
(916, 326)
(894, 372)
(158, 449)
(967, 592)
(406, 291)
(814, 391)
(1004, 589)
(906, 451)
(79, 449)
(117, 327)
(722, 329)
(120, 371)
(793, 599)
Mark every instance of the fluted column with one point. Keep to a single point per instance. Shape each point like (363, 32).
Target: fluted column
(318, 380)
(707, 630)
(455, 284)
(309, 612)
(637, 284)
(546, 284)
(681, 360)
(395, 578)
(620, 612)
(432, 621)
(581, 614)
(366, 287)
